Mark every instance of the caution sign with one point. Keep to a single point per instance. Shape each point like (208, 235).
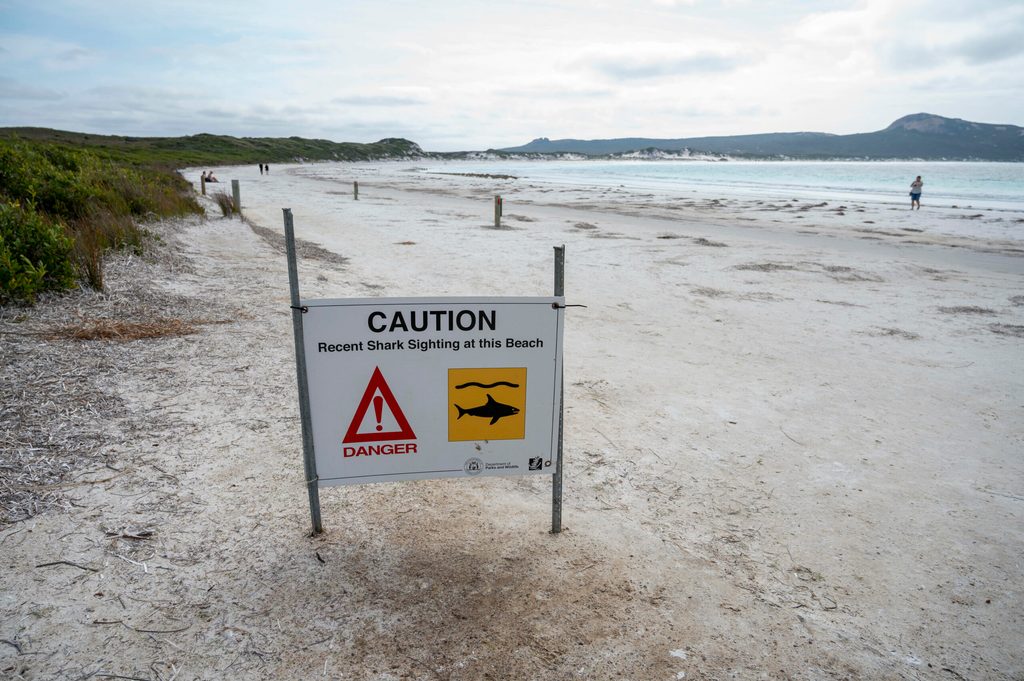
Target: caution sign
(420, 388)
(378, 424)
(487, 404)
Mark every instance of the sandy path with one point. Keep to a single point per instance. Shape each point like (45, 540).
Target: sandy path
(787, 456)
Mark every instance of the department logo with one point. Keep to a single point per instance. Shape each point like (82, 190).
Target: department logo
(536, 463)
(473, 466)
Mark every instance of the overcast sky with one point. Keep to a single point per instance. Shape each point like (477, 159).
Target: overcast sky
(469, 74)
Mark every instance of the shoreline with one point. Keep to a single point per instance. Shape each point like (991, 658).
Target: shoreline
(1004, 225)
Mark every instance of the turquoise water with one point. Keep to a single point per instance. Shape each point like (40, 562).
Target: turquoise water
(978, 185)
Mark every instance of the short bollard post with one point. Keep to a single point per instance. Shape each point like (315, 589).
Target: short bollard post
(202, 184)
(237, 194)
(355, 190)
(497, 212)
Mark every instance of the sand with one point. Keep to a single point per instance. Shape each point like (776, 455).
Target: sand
(793, 449)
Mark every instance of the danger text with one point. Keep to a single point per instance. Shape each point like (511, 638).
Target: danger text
(379, 450)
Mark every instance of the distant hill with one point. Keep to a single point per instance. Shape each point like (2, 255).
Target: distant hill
(918, 136)
(207, 149)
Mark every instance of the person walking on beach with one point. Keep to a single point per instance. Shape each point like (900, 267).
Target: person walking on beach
(915, 193)
(261, 169)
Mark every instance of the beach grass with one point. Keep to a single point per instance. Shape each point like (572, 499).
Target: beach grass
(225, 203)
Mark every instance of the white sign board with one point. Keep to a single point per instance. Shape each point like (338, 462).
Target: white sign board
(415, 388)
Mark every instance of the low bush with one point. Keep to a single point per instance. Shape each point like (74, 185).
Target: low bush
(81, 204)
(35, 254)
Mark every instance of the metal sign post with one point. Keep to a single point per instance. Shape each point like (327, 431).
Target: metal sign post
(556, 480)
(308, 458)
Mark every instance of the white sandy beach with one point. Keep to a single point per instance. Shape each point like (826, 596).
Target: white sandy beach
(793, 440)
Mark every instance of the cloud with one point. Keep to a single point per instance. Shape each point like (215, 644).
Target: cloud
(377, 100)
(53, 55)
(11, 89)
(656, 60)
(74, 57)
(991, 48)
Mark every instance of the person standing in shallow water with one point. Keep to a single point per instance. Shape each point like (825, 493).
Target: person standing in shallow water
(915, 193)
(261, 169)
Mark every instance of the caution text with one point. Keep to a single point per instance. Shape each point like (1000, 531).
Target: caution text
(432, 320)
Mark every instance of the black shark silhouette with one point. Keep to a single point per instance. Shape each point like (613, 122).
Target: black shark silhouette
(491, 410)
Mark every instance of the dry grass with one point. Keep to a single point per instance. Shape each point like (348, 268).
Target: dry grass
(61, 417)
(121, 330)
(225, 203)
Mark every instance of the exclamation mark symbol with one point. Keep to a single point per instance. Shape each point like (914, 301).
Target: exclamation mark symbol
(378, 408)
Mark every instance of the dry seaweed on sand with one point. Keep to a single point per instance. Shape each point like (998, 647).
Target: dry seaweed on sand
(701, 241)
(765, 267)
(896, 333)
(967, 309)
(1012, 330)
(59, 407)
(305, 250)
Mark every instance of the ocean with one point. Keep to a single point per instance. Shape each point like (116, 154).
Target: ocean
(996, 186)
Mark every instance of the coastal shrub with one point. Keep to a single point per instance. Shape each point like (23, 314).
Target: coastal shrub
(35, 255)
(91, 200)
(225, 202)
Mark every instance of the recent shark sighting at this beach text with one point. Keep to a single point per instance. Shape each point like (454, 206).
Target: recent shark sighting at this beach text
(432, 344)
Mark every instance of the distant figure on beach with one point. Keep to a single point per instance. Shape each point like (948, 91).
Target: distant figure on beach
(210, 177)
(261, 169)
(266, 166)
(202, 178)
(915, 193)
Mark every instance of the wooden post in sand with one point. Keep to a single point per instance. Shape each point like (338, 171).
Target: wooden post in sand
(202, 183)
(556, 480)
(237, 194)
(355, 190)
(497, 212)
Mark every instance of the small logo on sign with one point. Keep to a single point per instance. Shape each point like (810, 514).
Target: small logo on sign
(536, 463)
(474, 466)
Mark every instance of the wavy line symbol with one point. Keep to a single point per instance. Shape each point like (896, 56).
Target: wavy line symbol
(473, 384)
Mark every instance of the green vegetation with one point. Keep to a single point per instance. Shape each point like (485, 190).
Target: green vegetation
(211, 150)
(35, 254)
(67, 197)
(61, 208)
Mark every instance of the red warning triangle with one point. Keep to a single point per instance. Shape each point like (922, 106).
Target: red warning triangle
(377, 383)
